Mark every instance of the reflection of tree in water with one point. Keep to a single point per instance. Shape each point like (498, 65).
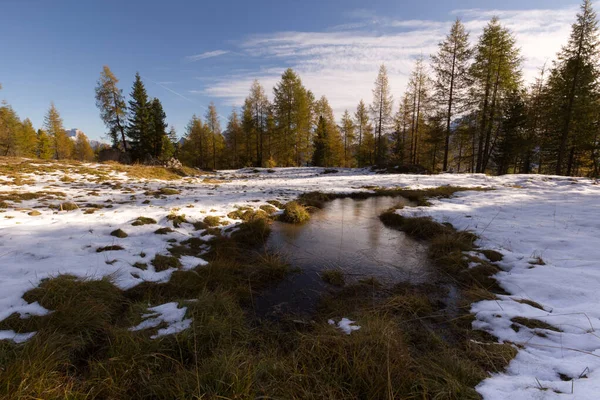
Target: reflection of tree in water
(346, 235)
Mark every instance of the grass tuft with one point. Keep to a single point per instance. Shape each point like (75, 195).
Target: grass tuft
(212, 221)
(492, 255)
(333, 277)
(276, 203)
(531, 303)
(109, 248)
(177, 220)
(68, 206)
(121, 234)
(295, 213)
(534, 324)
(162, 262)
(269, 209)
(417, 227)
(167, 191)
(252, 233)
(139, 221)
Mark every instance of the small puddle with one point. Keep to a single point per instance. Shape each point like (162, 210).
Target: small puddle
(346, 235)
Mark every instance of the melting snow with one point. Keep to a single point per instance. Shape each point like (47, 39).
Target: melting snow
(167, 313)
(526, 218)
(345, 325)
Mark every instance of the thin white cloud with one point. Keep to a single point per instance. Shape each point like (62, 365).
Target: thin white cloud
(208, 54)
(342, 62)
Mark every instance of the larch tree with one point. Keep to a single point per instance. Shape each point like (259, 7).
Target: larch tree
(247, 123)
(259, 107)
(140, 120)
(214, 127)
(496, 72)
(112, 106)
(10, 128)
(194, 149)
(361, 121)
(452, 79)
(27, 139)
(419, 95)
(381, 110)
(169, 145)
(573, 89)
(347, 127)
(82, 150)
(61, 145)
(44, 146)
(233, 138)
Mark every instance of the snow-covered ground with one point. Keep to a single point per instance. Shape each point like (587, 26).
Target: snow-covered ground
(526, 218)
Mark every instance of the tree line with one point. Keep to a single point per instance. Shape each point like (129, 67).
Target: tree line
(18, 138)
(465, 109)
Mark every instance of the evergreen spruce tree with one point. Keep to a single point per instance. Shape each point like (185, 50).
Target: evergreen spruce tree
(402, 121)
(536, 144)
(334, 143)
(320, 157)
(452, 79)
(291, 112)
(139, 121)
(111, 103)
(158, 129)
(573, 91)
(382, 111)
(511, 141)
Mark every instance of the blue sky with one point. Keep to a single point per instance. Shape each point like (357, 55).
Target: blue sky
(190, 53)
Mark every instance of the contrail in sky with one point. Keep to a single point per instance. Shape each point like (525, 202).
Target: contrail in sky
(182, 96)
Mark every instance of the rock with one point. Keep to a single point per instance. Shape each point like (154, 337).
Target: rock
(173, 163)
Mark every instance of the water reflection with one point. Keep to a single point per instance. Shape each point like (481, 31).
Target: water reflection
(347, 234)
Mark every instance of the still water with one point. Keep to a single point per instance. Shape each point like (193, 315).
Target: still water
(346, 235)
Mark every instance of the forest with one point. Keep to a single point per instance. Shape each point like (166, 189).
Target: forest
(466, 108)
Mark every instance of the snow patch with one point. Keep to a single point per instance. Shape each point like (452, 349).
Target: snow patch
(168, 313)
(345, 325)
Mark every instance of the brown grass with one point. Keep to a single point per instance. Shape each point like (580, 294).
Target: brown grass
(294, 213)
(121, 234)
(333, 277)
(143, 221)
